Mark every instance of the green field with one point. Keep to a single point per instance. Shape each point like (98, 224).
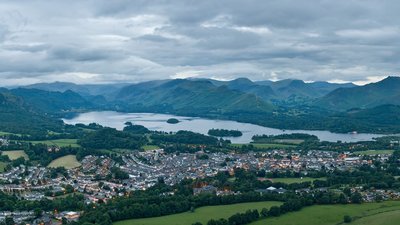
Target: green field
(266, 146)
(202, 214)
(59, 142)
(333, 215)
(2, 166)
(15, 154)
(150, 147)
(295, 180)
(68, 161)
(386, 218)
(374, 152)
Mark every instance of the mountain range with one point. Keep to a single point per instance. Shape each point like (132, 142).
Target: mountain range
(287, 104)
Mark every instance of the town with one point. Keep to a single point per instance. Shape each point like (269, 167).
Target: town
(99, 178)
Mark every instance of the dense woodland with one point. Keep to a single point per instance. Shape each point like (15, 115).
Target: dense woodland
(109, 138)
(224, 133)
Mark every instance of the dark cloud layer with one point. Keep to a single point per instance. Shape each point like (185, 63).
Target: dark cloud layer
(98, 41)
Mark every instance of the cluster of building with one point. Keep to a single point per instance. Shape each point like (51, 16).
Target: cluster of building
(95, 179)
(4, 142)
(28, 176)
(48, 218)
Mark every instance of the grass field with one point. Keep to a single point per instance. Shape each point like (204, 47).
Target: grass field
(2, 166)
(202, 214)
(15, 154)
(266, 146)
(295, 180)
(59, 142)
(68, 161)
(150, 147)
(387, 218)
(333, 215)
(374, 152)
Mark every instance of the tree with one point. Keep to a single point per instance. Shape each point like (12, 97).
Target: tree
(212, 222)
(274, 211)
(38, 212)
(356, 198)
(347, 219)
(264, 212)
(347, 191)
(9, 221)
(64, 221)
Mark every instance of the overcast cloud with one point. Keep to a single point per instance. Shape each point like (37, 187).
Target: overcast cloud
(130, 41)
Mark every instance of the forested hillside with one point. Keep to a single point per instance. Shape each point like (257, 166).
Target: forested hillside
(18, 117)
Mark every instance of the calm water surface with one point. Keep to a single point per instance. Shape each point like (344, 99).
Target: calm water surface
(158, 122)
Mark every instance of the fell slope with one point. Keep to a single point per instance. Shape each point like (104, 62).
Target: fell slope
(383, 92)
(16, 116)
(189, 96)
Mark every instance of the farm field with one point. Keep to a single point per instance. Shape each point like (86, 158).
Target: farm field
(68, 161)
(374, 152)
(295, 180)
(202, 214)
(59, 142)
(333, 214)
(266, 146)
(15, 154)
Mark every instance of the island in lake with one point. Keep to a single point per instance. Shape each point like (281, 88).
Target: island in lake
(173, 121)
(224, 133)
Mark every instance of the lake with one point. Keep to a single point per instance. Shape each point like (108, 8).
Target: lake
(154, 121)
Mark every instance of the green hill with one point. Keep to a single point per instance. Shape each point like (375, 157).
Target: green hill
(190, 97)
(52, 102)
(386, 91)
(16, 116)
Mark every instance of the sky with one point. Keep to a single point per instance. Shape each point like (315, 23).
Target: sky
(103, 41)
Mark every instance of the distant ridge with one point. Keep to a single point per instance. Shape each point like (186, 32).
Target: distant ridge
(386, 91)
(182, 95)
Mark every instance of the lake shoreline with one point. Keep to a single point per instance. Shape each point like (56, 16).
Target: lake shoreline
(157, 121)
